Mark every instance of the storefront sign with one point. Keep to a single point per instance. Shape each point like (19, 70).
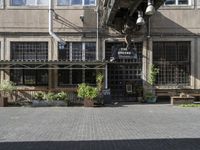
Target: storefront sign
(123, 53)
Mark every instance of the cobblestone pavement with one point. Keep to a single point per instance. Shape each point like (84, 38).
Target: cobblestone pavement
(128, 127)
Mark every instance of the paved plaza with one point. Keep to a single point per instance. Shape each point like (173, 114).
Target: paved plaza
(124, 127)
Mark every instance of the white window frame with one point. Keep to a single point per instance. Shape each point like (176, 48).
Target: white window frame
(35, 4)
(82, 4)
(177, 4)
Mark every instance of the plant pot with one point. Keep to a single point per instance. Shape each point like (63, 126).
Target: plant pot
(151, 100)
(3, 101)
(88, 103)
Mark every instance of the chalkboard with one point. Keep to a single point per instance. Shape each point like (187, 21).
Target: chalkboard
(107, 96)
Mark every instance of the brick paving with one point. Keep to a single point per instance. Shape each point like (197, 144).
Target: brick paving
(127, 127)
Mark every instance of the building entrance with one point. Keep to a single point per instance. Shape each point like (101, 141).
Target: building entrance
(125, 75)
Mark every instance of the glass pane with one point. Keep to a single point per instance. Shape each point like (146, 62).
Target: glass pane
(76, 51)
(42, 77)
(90, 76)
(63, 51)
(43, 2)
(16, 75)
(90, 51)
(30, 2)
(181, 2)
(170, 2)
(63, 77)
(76, 76)
(89, 2)
(18, 2)
(63, 2)
(29, 77)
(76, 2)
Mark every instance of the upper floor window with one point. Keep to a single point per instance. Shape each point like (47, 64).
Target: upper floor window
(76, 2)
(29, 2)
(178, 2)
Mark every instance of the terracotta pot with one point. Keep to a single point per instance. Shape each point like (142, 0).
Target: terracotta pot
(88, 103)
(3, 101)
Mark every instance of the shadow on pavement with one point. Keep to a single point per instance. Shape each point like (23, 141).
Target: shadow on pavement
(140, 144)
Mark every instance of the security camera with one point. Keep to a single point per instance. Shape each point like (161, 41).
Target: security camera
(82, 18)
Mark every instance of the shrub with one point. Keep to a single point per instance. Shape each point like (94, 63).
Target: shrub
(62, 96)
(39, 96)
(7, 86)
(49, 96)
(87, 92)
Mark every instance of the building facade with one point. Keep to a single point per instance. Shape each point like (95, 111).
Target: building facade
(34, 60)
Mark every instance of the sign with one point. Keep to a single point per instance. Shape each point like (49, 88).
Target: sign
(106, 96)
(123, 53)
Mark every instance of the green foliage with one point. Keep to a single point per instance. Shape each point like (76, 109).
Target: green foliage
(62, 96)
(152, 75)
(99, 80)
(149, 95)
(7, 86)
(39, 96)
(190, 105)
(87, 92)
(49, 96)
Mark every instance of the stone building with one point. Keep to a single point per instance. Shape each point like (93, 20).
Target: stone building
(34, 60)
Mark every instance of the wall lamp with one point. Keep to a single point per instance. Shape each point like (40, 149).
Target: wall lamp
(140, 21)
(82, 18)
(150, 9)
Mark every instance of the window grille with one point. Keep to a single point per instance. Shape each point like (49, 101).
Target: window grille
(34, 51)
(173, 61)
(90, 51)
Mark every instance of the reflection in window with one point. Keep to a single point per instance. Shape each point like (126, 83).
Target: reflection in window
(76, 2)
(63, 51)
(76, 51)
(90, 51)
(29, 2)
(177, 2)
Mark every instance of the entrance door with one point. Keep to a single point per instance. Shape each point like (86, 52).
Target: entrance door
(124, 76)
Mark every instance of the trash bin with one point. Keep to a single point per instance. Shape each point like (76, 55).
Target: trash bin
(107, 96)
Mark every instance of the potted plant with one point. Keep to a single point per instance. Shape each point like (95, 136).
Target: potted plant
(87, 93)
(150, 95)
(99, 81)
(6, 87)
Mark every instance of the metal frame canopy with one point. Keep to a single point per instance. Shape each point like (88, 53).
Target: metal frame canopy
(7, 65)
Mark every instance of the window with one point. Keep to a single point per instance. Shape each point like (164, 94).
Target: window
(77, 76)
(76, 2)
(76, 51)
(178, 2)
(90, 76)
(29, 51)
(173, 61)
(29, 2)
(63, 51)
(29, 76)
(90, 51)
(1, 3)
(63, 77)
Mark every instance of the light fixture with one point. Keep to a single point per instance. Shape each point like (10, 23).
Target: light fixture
(82, 18)
(150, 9)
(140, 21)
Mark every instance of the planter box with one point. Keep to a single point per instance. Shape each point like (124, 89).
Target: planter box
(46, 103)
(151, 100)
(176, 100)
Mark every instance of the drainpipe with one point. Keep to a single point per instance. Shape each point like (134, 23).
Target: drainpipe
(51, 12)
(97, 40)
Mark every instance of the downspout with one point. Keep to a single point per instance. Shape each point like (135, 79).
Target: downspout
(97, 40)
(51, 11)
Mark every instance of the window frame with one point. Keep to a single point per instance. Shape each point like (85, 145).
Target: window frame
(177, 3)
(70, 4)
(36, 4)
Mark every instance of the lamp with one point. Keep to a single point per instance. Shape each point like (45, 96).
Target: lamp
(140, 21)
(82, 18)
(150, 9)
